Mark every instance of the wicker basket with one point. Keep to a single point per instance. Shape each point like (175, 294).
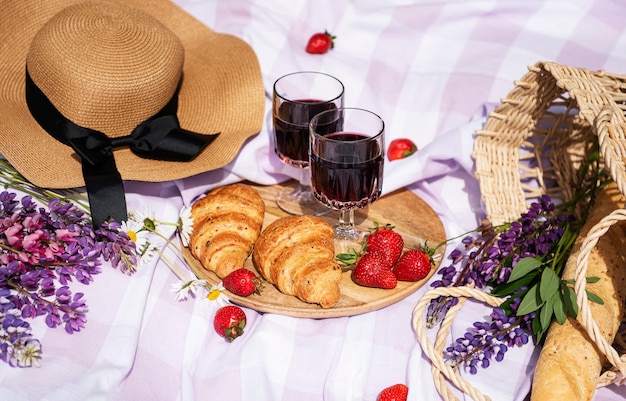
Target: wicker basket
(534, 143)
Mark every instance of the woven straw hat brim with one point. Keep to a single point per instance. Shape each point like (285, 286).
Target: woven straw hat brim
(222, 91)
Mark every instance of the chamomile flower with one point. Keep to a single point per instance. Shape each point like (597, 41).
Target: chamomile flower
(147, 255)
(146, 217)
(188, 289)
(133, 229)
(216, 295)
(185, 224)
(136, 233)
(141, 237)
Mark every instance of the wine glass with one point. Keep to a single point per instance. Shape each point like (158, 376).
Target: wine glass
(347, 158)
(297, 98)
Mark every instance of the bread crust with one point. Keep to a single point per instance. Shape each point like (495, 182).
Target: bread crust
(226, 224)
(297, 255)
(570, 364)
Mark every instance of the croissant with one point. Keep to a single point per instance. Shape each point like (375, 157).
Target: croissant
(226, 224)
(297, 255)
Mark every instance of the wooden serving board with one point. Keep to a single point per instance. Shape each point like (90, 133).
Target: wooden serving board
(411, 216)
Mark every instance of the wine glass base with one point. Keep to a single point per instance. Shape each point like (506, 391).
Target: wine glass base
(344, 244)
(297, 199)
(350, 233)
(347, 234)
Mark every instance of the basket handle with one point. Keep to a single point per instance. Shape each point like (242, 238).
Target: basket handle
(442, 372)
(584, 309)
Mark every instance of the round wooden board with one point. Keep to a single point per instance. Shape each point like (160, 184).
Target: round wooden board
(411, 216)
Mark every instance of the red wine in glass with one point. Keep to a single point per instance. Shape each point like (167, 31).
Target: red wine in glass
(292, 139)
(350, 173)
(296, 99)
(347, 166)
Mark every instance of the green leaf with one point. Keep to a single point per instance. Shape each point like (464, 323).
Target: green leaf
(531, 301)
(594, 298)
(561, 253)
(549, 284)
(508, 261)
(348, 259)
(545, 313)
(569, 301)
(510, 287)
(535, 325)
(523, 267)
(592, 279)
(539, 331)
(559, 307)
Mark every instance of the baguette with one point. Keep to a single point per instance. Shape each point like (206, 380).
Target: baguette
(297, 255)
(570, 364)
(226, 224)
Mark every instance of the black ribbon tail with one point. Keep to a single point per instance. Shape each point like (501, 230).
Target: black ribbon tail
(105, 191)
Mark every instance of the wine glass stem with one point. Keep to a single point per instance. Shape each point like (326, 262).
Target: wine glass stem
(303, 190)
(305, 177)
(345, 228)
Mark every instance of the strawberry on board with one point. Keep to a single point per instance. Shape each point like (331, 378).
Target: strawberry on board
(413, 265)
(372, 270)
(400, 148)
(320, 43)
(229, 322)
(385, 240)
(243, 282)
(397, 392)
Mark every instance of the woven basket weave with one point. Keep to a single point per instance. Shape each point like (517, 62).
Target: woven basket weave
(532, 144)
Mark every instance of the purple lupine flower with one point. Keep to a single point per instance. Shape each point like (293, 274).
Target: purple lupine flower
(485, 259)
(44, 251)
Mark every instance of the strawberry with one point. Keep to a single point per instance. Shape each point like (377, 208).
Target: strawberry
(320, 43)
(243, 282)
(397, 392)
(401, 148)
(413, 265)
(229, 322)
(372, 270)
(386, 241)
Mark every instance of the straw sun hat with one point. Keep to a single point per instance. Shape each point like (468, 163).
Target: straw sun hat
(77, 78)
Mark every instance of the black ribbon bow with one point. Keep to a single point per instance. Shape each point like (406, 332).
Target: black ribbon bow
(159, 137)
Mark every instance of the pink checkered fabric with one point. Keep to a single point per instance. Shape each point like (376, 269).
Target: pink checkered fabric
(432, 70)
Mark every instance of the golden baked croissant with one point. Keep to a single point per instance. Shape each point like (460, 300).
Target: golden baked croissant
(297, 255)
(226, 223)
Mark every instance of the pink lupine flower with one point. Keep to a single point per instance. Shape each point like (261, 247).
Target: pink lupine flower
(12, 234)
(66, 235)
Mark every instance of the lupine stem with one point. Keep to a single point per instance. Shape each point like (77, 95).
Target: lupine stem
(29, 294)
(13, 179)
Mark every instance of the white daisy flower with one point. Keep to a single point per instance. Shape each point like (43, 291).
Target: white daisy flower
(188, 289)
(145, 241)
(185, 225)
(134, 231)
(146, 253)
(216, 296)
(147, 218)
